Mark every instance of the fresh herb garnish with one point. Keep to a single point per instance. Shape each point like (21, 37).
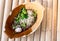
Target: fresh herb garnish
(23, 25)
(34, 14)
(14, 27)
(24, 13)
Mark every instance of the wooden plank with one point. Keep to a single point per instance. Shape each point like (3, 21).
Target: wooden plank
(58, 35)
(42, 36)
(32, 0)
(2, 5)
(23, 38)
(48, 36)
(37, 35)
(11, 40)
(49, 20)
(14, 4)
(58, 22)
(30, 37)
(49, 28)
(54, 21)
(17, 39)
(6, 14)
(21, 1)
(49, 15)
(27, 0)
(44, 22)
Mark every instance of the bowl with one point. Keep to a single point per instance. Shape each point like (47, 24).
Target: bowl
(29, 5)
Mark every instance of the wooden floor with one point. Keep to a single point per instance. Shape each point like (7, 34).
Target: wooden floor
(49, 30)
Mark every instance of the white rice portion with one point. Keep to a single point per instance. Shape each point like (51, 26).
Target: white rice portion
(30, 18)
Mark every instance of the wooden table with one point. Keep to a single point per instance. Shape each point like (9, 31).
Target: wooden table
(49, 30)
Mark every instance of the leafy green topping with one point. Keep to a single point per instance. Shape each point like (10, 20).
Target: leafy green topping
(22, 14)
(23, 25)
(34, 14)
(24, 11)
(17, 19)
(14, 27)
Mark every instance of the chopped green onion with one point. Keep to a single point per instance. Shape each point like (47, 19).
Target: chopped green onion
(14, 27)
(23, 25)
(24, 11)
(34, 14)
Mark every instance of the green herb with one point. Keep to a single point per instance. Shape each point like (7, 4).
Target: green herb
(17, 19)
(26, 16)
(34, 14)
(24, 11)
(14, 27)
(22, 16)
(23, 25)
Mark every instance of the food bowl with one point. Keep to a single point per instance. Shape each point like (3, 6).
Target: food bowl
(30, 5)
